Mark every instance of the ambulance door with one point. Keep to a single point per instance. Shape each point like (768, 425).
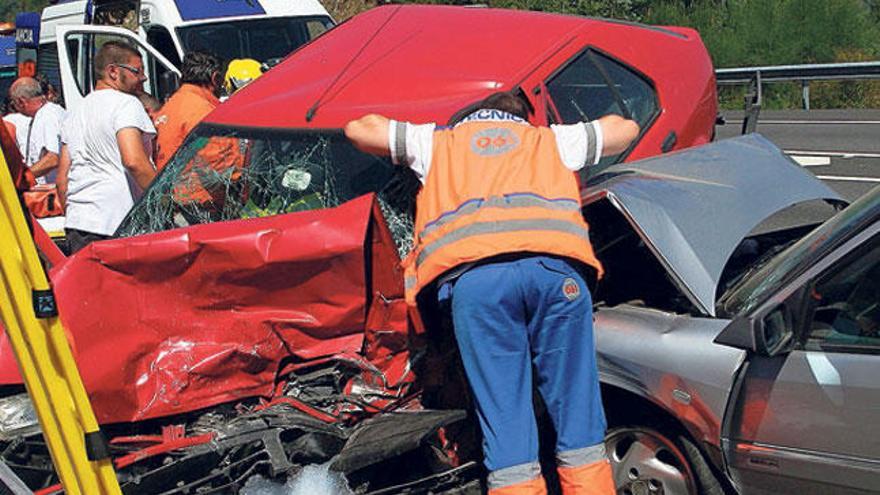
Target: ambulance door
(77, 47)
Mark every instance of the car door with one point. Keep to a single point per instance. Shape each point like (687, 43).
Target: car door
(77, 47)
(808, 420)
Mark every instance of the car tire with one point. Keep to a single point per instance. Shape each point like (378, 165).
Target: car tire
(650, 462)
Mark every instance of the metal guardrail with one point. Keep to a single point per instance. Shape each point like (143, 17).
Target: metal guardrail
(799, 73)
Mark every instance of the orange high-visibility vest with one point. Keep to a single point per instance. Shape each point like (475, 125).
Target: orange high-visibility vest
(495, 188)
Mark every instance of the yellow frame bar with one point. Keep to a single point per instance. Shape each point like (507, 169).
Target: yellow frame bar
(44, 356)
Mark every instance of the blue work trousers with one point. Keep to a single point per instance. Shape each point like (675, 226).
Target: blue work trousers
(512, 315)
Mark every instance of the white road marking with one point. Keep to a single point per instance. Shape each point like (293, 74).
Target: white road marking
(842, 154)
(845, 178)
(811, 161)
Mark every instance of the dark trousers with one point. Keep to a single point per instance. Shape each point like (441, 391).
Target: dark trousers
(78, 239)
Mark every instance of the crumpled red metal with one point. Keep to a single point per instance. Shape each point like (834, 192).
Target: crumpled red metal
(185, 319)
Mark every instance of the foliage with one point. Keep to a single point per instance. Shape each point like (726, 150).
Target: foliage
(737, 33)
(8, 8)
(618, 9)
(740, 33)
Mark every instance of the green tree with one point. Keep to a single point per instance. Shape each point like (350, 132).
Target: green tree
(741, 33)
(8, 8)
(618, 9)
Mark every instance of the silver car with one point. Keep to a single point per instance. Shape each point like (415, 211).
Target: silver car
(737, 354)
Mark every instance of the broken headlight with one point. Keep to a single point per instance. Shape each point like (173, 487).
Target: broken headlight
(17, 417)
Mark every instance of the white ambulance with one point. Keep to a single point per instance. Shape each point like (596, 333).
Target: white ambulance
(265, 30)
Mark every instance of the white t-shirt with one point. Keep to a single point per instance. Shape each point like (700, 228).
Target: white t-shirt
(21, 123)
(45, 134)
(579, 144)
(100, 191)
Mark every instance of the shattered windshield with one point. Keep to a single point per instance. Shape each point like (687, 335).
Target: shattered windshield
(223, 173)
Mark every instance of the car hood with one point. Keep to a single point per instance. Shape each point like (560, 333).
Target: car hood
(693, 208)
(185, 319)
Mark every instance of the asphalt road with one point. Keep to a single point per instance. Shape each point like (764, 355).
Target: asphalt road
(842, 147)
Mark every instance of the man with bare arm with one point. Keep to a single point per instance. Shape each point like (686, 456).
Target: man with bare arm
(501, 241)
(105, 163)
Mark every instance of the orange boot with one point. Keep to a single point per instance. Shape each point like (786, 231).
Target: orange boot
(594, 478)
(531, 487)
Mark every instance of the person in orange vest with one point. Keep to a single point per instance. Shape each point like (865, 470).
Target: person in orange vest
(198, 95)
(500, 235)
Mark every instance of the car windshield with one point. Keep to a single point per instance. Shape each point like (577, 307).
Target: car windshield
(223, 173)
(264, 40)
(783, 267)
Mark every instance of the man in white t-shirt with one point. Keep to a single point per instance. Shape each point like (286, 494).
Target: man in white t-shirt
(21, 123)
(44, 133)
(104, 162)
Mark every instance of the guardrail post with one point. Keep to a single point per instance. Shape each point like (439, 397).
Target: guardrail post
(805, 94)
(753, 100)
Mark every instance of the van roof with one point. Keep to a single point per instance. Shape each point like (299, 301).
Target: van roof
(204, 10)
(414, 62)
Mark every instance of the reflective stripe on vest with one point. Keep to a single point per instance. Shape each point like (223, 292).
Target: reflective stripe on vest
(514, 200)
(495, 188)
(503, 226)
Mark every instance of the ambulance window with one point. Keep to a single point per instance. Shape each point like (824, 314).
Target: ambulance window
(317, 28)
(81, 51)
(593, 85)
(47, 63)
(80, 64)
(160, 39)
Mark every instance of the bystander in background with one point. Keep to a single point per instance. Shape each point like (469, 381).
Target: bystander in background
(44, 132)
(198, 95)
(105, 162)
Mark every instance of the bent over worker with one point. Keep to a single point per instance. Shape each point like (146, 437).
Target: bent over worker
(499, 232)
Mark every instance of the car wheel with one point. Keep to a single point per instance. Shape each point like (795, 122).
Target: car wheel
(648, 462)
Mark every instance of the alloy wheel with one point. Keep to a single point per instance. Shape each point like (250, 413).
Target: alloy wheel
(646, 462)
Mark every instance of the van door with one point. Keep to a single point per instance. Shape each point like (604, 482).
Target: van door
(77, 46)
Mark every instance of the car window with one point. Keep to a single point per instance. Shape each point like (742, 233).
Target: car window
(846, 311)
(593, 85)
(222, 174)
(770, 277)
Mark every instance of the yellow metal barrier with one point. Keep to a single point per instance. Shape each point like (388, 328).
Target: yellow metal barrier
(44, 356)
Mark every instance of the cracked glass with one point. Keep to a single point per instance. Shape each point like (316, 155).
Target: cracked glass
(222, 174)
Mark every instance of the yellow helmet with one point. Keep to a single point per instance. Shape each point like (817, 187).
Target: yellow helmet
(240, 73)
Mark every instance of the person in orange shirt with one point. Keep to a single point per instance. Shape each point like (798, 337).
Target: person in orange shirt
(202, 81)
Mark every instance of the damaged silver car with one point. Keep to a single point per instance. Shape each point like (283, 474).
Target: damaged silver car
(737, 354)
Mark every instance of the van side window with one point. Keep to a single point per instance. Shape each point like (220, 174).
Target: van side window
(80, 60)
(160, 39)
(47, 63)
(82, 48)
(316, 28)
